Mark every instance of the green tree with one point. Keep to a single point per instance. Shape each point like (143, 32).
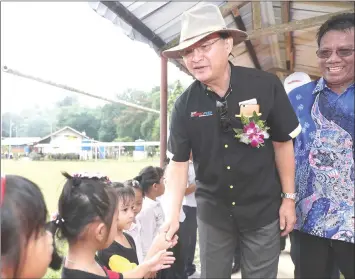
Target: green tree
(108, 123)
(175, 91)
(82, 120)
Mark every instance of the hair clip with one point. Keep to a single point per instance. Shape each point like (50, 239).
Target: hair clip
(88, 175)
(61, 220)
(3, 188)
(55, 217)
(135, 182)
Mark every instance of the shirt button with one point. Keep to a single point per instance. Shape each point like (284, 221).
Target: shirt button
(231, 186)
(233, 203)
(228, 167)
(226, 146)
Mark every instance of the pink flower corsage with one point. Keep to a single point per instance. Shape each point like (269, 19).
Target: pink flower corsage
(254, 131)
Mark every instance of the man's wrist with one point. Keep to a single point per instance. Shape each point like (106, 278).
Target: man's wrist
(173, 216)
(289, 196)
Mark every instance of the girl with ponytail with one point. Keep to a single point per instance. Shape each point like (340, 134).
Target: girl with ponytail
(87, 217)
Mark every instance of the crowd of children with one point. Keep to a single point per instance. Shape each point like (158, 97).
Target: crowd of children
(112, 228)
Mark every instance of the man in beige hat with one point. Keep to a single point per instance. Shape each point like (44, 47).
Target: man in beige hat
(239, 124)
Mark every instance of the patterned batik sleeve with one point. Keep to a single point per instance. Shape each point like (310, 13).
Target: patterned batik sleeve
(282, 120)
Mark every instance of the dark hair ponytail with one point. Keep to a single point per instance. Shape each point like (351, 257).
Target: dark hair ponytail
(82, 201)
(148, 176)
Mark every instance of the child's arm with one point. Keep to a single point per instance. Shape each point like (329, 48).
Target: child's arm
(160, 243)
(161, 260)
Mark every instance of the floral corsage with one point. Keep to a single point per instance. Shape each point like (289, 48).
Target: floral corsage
(254, 131)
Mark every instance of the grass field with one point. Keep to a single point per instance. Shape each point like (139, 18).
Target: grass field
(47, 174)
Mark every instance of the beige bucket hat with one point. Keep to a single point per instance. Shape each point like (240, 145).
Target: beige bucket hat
(198, 23)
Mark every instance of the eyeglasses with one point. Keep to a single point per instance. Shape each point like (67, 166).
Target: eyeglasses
(225, 121)
(342, 52)
(204, 48)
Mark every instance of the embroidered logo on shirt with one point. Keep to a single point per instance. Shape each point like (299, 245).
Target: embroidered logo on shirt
(201, 114)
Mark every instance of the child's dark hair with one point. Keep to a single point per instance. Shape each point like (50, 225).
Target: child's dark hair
(23, 214)
(148, 176)
(134, 183)
(124, 192)
(82, 201)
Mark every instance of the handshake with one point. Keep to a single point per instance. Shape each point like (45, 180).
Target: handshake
(158, 257)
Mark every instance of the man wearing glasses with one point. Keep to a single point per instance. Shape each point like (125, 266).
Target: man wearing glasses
(324, 231)
(244, 171)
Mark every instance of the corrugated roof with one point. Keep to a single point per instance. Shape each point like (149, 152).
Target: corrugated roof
(162, 18)
(161, 24)
(63, 129)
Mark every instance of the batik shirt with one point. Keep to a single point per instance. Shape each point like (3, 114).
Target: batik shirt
(324, 154)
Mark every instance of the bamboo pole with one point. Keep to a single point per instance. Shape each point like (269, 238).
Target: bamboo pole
(69, 88)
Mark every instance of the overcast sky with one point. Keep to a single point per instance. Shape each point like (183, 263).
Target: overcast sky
(69, 43)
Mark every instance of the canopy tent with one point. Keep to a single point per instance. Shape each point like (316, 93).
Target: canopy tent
(281, 34)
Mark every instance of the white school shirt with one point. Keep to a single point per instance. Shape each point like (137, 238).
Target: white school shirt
(135, 232)
(151, 218)
(190, 199)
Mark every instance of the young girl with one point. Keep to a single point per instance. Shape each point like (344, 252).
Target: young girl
(151, 216)
(87, 218)
(26, 247)
(121, 256)
(135, 228)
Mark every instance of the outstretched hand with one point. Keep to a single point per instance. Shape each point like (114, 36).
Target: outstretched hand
(161, 260)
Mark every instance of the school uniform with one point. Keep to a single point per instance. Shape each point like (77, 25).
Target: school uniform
(135, 232)
(151, 218)
(189, 227)
(177, 270)
(119, 258)
(79, 274)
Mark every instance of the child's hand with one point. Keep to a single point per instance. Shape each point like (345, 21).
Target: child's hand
(161, 260)
(174, 241)
(160, 242)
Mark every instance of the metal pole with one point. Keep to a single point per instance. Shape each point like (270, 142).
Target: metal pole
(10, 135)
(163, 109)
(69, 88)
(51, 129)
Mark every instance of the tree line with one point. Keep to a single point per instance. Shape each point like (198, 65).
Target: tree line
(107, 123)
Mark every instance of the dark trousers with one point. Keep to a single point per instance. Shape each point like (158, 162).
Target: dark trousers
(283, 242)
(260, 250)
(188, 233)
(317, 257)
(177, 270)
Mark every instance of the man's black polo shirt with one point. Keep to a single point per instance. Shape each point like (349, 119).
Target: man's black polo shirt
(233, 179)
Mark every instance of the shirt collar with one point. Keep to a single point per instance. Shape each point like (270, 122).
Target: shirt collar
(135, 226)
(321, 85)
(150, 201)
